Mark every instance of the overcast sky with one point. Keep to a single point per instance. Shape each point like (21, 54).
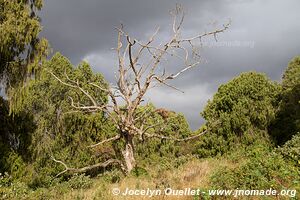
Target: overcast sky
(263, 36)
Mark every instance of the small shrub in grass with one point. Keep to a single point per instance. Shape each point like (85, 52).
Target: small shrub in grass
(139, 171)
(113, 176)
(79, 182)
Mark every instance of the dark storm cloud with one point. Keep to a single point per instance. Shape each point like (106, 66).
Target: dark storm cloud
(77, 27)
(264, 36)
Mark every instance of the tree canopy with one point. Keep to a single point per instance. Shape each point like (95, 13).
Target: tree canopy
(21, 49)
(291, 76)
(60, 130)
(241, 110)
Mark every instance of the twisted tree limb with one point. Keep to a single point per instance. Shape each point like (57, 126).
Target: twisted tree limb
(87, 168)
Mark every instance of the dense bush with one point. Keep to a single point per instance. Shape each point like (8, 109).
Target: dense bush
(263, 169)
(239, 113)
(287, 121)
(291, 149)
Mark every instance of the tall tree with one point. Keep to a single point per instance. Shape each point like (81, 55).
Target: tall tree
(60, 132)
(21, 49)
(140, 68)
(20, 53)
(242, 108)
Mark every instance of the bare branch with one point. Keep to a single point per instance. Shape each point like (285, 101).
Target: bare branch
(87, 168)
(104, 141)
(182, 71)
(89, 108)
(67, 84)
(76, 86)
(200, 36)
(162, 81)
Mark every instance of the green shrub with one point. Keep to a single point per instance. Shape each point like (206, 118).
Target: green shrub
(79, 181)
(287, 121)
(139, 171)
(291, 149)
(239, 113)
(263, 170)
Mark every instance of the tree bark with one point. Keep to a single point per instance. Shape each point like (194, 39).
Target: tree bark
(128, 153)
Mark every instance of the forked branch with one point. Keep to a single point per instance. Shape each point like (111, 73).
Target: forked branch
(87, 168)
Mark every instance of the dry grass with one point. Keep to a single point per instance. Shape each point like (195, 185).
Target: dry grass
(194, 174)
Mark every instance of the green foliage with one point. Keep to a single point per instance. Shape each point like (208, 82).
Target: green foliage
(14, 142)
(263, 169)
(20, 190)
(20, 47)
(62, 131)
(139, 171)
(79, 181)
(17, 190)
(287, 121)
(291, 76)
(291, 149)
(165, 123)
(239, 113)
(5, 180)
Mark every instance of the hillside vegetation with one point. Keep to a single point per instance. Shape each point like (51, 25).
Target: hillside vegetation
(242, 149)
(48, 150)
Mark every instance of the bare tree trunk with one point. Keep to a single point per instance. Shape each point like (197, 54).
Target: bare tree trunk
(128, 153)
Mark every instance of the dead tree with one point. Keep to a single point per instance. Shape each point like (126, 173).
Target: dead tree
(139, 69)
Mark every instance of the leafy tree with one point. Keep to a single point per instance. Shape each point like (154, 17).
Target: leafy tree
(20, 47)
(291, 76)
(287, 121)
(239, 113)
(20, 53)
(15, 139)
(61, 131)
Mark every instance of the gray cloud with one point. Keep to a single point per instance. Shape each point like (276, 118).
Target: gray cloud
(85, 30)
